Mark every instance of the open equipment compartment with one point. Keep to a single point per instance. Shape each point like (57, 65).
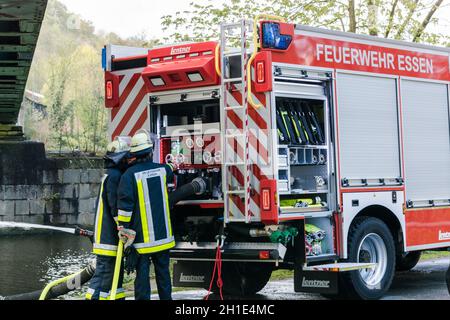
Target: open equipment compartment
(188, 133)
(305, 163)
(303, 170)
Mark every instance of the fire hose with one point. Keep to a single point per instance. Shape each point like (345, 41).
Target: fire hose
(59, 287)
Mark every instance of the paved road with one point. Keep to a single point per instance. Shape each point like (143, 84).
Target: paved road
(426, 281)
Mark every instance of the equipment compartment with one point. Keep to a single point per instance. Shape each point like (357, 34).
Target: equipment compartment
(319, 238)
(303, 155)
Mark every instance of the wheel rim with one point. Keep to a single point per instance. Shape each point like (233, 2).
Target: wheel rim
(372, 249)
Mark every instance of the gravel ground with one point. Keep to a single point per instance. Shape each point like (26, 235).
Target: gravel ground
(425, 282)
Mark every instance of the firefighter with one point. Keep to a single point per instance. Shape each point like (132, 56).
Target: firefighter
(105, 237)
(144, 217)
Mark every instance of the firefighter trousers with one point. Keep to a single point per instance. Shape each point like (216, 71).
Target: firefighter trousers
(101, 282)
(161, 260)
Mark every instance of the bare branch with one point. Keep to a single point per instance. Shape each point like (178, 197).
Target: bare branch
(427, 20)
(391, 18)
(402, 28)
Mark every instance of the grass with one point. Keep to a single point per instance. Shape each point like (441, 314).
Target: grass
(429, 255)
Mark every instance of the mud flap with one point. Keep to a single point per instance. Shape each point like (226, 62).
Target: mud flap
(192, 274)
(316, 282)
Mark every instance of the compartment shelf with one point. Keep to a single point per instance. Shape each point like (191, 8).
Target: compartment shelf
(303, 210)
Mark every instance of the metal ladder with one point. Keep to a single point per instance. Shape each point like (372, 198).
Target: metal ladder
(235, 41)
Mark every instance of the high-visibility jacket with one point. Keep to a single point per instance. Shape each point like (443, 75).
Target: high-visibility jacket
(143, 205)
(105, 233)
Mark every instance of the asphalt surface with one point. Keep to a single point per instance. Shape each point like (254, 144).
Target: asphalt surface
(425, 282)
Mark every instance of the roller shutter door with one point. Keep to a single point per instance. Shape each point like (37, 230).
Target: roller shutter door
(427, 140)
(368, 127)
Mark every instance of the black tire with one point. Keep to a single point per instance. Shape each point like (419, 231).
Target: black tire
(351, 284)
(244, 278)
(407, 261)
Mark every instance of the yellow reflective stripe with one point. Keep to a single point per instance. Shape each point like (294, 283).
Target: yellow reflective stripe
(143, 211)
(163, 247)
(103, 252)
(167, 206)
(123, 219)
(89, 296)
(119, 295)
(100, 215)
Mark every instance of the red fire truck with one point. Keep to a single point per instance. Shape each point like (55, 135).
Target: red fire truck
(326, 153)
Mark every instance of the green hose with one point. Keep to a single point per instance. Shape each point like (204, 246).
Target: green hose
(48, 287)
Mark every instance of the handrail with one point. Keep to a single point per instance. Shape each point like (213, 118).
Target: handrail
(218, 60)
(256, 46)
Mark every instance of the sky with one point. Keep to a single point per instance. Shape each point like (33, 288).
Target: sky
(131, 17)
(127, 17)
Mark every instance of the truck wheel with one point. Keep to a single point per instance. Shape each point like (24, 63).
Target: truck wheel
(370, 240)
(245, 278)
(407, 260)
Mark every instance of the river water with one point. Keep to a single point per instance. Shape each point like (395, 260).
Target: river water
(29, 262)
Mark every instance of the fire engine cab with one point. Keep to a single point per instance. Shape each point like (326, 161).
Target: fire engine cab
(326, 153)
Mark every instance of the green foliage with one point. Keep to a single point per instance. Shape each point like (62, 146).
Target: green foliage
(67, 71)
(400, 19)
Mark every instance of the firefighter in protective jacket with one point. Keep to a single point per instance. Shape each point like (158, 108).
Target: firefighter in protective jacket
(105, 237)
(144, 217)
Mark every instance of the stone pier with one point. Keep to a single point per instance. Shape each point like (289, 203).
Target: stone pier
(38, 189)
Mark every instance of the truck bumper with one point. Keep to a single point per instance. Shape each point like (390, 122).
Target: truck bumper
(232, 251)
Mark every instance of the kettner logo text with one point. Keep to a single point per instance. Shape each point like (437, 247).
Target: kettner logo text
(315, 283)
(181, 50)
(444, 235)
(191, 278)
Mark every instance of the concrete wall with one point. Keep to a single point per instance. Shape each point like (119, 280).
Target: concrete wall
(47, 190)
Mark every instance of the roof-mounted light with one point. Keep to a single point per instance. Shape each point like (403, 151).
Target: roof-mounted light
(157, 81)
(272, 38)
(195, 77)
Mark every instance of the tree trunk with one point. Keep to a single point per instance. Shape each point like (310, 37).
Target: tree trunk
(373, 17)
(427, 20)
(352, 16)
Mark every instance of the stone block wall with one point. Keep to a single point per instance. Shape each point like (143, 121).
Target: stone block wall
(55, 190)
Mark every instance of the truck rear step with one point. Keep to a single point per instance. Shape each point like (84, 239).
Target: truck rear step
(324, 279)
(340, 267)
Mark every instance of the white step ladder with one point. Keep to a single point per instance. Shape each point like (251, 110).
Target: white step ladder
(236, 40)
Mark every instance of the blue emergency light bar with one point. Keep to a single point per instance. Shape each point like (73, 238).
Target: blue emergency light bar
(104, 62)
(272, 39)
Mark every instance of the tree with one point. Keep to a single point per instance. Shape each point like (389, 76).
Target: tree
(399, 19)
(67, 70)
(60, 111)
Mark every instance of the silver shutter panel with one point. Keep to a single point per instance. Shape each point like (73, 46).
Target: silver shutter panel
(368, 127)
(427, 140)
